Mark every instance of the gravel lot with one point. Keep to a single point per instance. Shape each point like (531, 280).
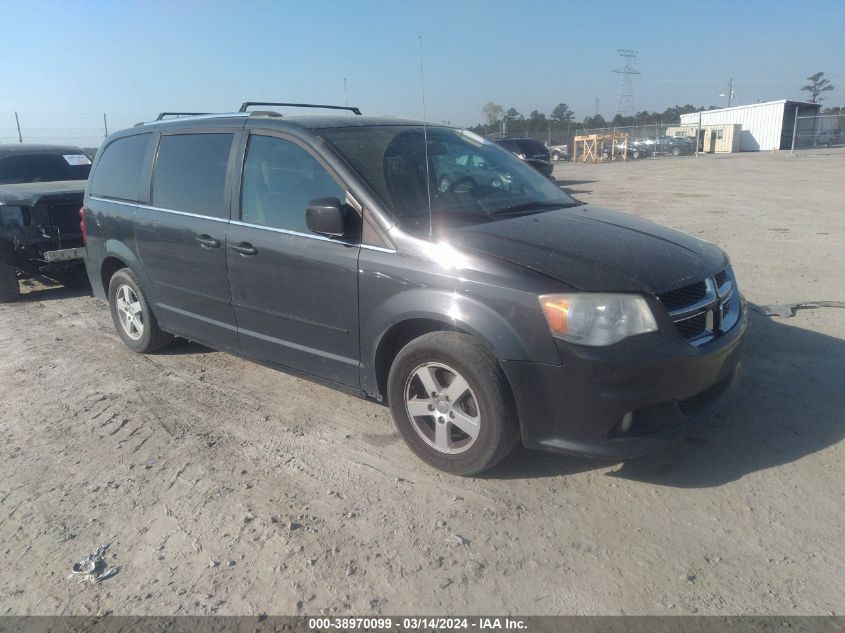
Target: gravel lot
(225, 487)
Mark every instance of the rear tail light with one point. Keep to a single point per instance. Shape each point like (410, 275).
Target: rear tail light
(82, 225)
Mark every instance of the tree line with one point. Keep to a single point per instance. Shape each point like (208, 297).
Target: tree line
(562, 120)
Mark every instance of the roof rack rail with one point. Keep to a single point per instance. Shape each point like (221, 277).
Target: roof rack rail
(161, 115)
(247, 104)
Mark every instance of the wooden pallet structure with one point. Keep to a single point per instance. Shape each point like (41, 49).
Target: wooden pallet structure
(593, 146)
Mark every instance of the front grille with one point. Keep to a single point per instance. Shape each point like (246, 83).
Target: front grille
(704, 399)
(683, 297)
(694, 326)
(705, 310)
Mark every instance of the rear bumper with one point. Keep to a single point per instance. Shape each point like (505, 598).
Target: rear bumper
(668, 387)
(64, 255)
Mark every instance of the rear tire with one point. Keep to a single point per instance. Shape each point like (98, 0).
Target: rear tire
(439, 362)
(132, 315)
(10, 290)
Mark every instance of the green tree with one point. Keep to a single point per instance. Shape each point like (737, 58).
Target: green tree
(562, 113)
(538, 119)
(818, 84)
(492, 112)
(592, 122)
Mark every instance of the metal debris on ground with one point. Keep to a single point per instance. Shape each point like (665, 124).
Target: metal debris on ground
(789, 309)
(93, 568)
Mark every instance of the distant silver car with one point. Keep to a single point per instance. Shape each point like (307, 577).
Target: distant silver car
(559, 152)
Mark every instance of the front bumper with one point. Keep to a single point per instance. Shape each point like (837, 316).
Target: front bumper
(668, 386)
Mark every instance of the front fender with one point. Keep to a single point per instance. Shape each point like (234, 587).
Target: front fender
(510, 323)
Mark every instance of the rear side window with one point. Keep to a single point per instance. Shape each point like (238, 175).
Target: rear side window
(190, 173)
(280, 179)
(119, 170)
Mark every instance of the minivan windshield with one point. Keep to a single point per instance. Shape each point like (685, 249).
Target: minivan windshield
(468, 179)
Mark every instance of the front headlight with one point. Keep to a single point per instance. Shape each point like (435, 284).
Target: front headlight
(597, 319)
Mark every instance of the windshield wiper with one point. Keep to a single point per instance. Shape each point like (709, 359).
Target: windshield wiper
(535, 206)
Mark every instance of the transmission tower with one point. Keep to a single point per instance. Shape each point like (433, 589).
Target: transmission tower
(625, 98)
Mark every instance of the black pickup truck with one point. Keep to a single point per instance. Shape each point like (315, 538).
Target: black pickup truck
(41, 192)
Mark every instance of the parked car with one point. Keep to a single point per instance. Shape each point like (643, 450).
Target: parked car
(41, 192)
(485, 316)
(559, 152)
(468, 170)
(663, 145)
(532, 152)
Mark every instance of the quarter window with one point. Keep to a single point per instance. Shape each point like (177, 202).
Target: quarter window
(280, 179)
(190, 173)
(119, 170)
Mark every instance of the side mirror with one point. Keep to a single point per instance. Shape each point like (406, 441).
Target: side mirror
(326, 216)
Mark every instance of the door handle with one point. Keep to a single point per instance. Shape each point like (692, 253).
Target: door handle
(244, 248)
(206, 241)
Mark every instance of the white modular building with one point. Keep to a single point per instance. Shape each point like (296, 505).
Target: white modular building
(764, 126)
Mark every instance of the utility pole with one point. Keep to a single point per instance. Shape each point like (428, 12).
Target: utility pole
(698, 134)
(730, 93)
(345, 94)
(105, 125)
(18, 123)
(625, 98)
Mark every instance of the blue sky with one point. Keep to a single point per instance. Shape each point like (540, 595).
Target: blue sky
(65, 63)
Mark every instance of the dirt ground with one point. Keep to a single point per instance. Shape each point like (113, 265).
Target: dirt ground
(224, 487)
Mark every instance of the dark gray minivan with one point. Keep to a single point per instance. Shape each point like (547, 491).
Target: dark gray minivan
(482, 314)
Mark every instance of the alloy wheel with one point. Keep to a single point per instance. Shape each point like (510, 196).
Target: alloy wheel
(129, 312)
(442, 408)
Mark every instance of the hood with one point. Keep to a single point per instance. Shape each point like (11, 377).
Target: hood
(597, 250)
(30, 193)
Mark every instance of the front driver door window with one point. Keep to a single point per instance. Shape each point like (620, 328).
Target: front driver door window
(295, 293)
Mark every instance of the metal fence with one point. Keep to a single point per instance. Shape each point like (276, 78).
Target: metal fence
(654, 140)
(818, 132)
(643, 141)
(624, 142)
(83, 130)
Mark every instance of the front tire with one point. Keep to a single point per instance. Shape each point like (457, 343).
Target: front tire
(10, 290)
(451, 402)
(132, 315)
